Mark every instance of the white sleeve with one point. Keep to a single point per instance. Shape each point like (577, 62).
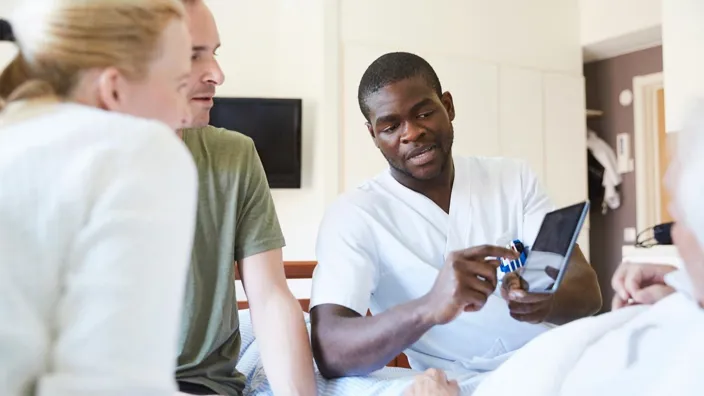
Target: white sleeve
(118, 317)
(347, 272)
(536, 204)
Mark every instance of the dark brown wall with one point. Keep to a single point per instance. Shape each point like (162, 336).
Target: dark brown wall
(604, 82)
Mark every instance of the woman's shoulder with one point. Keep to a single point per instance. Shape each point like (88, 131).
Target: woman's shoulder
(49, 122)
(122, 134)
(110, 125)
(84, 135)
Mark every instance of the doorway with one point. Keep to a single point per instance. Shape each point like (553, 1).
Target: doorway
(653, 147)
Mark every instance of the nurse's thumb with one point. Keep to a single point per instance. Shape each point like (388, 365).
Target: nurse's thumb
(515, 281)
(510, 283)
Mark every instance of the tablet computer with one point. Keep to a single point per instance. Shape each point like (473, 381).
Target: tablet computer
(548, 258)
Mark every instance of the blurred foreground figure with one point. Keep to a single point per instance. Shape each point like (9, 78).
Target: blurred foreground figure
(97, 198)
(650, 344)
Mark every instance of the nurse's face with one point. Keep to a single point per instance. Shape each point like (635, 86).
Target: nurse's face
(412, 127)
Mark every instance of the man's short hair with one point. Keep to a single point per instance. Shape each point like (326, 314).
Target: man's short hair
(394, 67)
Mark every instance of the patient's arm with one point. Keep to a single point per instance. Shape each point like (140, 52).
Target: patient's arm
(579, 294)
(346, 343)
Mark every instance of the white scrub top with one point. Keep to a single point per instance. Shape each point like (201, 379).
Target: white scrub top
(383, 245)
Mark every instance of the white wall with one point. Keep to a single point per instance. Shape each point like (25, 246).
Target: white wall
(516, 79)
(275, 48)
(683, 34)
(603, 20)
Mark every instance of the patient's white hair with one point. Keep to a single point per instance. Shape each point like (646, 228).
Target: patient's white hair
(686, 178)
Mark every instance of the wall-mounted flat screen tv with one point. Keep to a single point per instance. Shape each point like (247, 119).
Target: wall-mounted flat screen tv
(275, 127)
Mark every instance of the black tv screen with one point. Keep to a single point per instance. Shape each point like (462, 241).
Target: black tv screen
(275, 127)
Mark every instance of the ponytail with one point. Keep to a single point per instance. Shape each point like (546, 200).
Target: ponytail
(16, 82)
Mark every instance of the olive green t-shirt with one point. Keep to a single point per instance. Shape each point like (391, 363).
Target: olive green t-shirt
(236, 219)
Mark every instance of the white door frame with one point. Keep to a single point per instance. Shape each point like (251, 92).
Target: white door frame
(645, 118)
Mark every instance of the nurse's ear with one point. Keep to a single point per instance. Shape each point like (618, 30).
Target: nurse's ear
(449, 105)
(371, 132)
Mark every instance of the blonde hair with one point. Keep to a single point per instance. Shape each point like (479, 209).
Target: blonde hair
(59, 39)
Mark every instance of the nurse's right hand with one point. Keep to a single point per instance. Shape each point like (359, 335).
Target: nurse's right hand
(465, 282)
(640, 284)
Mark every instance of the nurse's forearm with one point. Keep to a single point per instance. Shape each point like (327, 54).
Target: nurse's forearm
(346, 344)
(579, 295)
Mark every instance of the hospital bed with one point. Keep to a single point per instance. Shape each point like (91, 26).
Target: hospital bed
(296, 270)
(391, 381)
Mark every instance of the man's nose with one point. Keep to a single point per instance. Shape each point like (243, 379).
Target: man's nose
(214, 75)
(412, 133)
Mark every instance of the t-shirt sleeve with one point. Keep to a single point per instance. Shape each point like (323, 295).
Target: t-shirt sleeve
(119, 312)
(347, 272)
(257, 229)
(536, 204)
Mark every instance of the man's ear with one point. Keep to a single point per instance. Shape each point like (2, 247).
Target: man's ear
(449, 105)
(110, 84)
(371, 132)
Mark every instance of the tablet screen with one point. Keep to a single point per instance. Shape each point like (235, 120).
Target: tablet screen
(548, 257)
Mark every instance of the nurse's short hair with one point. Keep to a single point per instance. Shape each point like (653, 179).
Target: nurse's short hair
(391, 68)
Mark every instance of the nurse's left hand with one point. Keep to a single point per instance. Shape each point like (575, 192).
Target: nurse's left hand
(523, 306)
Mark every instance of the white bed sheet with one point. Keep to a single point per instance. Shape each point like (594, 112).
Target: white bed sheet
(390, 381)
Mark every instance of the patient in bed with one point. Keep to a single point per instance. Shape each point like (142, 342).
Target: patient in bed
(650, 344)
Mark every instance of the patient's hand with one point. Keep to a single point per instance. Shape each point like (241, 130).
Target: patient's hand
(433, 383)
(524, 306)
(640, 284)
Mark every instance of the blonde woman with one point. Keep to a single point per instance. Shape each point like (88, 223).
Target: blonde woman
(97, 202)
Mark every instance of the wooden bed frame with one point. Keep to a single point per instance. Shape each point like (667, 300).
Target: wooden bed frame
(304, 270)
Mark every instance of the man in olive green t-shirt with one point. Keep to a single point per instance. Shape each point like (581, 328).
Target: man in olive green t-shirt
(236, 225)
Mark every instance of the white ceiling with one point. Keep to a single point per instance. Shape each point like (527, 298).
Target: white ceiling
(631, 42)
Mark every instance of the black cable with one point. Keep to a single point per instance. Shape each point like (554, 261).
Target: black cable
(645, 244)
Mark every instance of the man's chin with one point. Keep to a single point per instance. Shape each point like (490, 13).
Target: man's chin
(428, 171)
(200, 119)
(426, 174)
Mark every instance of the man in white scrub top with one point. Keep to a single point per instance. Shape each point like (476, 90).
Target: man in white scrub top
(411, 244)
